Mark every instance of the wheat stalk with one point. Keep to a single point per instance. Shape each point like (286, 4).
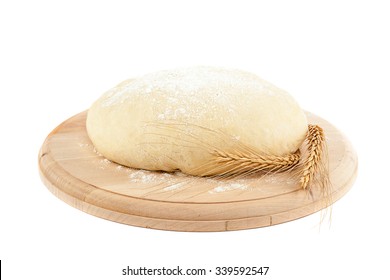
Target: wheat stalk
(240, 160)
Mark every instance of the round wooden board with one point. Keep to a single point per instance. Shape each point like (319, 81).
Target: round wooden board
(78, 175)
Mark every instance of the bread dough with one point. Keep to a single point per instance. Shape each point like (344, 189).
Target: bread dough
(176, 120)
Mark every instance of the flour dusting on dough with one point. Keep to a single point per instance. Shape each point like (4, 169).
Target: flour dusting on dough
(175, 120)
(182, 86)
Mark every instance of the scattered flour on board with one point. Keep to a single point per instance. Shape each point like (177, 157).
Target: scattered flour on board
(228, 187)
(104, 162)
(82, 145)
(175, 187)
(96, 152)
(145, 176)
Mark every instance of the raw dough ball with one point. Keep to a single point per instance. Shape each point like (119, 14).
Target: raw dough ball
(176, 120)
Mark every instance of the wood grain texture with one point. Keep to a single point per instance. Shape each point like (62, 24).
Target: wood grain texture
(75, 173)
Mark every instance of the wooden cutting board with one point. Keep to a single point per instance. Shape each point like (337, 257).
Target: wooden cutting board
(74, 172)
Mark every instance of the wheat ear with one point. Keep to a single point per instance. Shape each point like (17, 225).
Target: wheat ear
(245, 163)
(315, 140)
(259, 162)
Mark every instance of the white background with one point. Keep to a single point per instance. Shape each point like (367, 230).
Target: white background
(58, 57)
